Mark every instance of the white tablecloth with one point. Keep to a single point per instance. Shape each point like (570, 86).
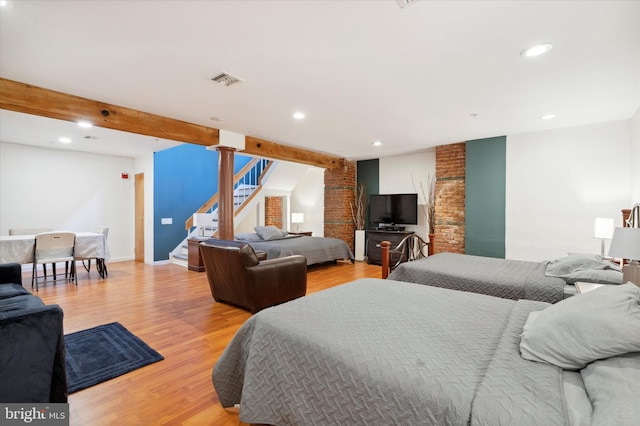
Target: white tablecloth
(19, 248)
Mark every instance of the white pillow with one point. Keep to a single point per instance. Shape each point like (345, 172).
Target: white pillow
(565, 266)
(574, 332)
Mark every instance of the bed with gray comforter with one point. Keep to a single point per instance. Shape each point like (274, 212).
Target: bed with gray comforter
(315, 249)
(509, 279)
(379, 352)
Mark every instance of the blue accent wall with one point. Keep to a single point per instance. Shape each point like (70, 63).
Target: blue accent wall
(485, 197)
(185, 177)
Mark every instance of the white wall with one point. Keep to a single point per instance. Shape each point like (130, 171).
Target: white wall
(403, 174)
(634, 159)
(308, 197)
(558, 182)
(67, 190)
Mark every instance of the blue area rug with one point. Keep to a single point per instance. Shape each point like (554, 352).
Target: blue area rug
(102, 353)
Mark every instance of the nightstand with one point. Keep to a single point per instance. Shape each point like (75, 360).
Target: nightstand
(582, 287)
(305, 233)
(194, 258)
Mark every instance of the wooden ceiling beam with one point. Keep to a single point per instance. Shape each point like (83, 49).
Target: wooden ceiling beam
(266, 149)
(34, 100)
(25, 98)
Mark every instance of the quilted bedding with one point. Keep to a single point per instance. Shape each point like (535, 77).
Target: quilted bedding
(315, 249)
(379, 352)
(509, 279)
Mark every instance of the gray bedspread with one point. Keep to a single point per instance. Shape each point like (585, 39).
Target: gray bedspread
(509, 279)
(315, 249)
(380, 352)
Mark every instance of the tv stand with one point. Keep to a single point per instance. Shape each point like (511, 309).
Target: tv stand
(375, 237)
(391, 228)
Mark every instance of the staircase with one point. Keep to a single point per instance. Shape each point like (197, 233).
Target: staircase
(247, 183)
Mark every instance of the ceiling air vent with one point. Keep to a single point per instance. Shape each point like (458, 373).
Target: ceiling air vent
(225, 79)
(404, 3)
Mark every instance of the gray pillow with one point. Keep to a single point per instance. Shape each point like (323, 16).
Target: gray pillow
(602, 276)
(268, 232)
(612, 385)
(574, 332)
(577, 262)
(248, 237)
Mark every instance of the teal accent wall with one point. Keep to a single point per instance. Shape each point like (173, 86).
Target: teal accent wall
(185, 177)
(485, 197)
(368, 172)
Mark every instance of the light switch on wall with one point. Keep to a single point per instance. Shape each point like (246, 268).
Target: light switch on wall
(166, 221)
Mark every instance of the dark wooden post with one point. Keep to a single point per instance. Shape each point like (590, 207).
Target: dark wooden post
(225, 189)
(432, 240)
(385, 258)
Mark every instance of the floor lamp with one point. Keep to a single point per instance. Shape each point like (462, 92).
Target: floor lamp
(625, 244)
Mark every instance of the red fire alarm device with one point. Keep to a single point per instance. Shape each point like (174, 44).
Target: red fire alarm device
(125, 176)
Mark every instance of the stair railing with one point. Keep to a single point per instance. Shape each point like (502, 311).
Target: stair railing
(250, 175)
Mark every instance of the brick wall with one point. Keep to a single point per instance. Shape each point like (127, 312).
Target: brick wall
(273, 211)
(339, 187)
(450, 193)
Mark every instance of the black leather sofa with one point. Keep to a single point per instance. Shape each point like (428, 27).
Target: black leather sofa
(32, 353)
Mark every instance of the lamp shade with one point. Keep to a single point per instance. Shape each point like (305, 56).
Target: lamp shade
(297, 217)
(625, 243)
(603, 227)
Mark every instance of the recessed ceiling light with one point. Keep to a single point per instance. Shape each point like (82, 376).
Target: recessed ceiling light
(85, 124)
(376, 143)
(299, 115)
(547, 117)
(64, 140)
(537, 50)
(3, 2)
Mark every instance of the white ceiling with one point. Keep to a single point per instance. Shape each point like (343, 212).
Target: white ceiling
(432, 73)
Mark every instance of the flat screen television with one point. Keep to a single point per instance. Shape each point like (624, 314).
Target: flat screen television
(389, 210)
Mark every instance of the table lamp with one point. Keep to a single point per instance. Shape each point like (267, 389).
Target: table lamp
(297, 218)
(603, 229)
(625, 244)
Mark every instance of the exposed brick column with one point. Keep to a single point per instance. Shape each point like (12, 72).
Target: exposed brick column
(339, 187)
(273, 211)
(450, 193)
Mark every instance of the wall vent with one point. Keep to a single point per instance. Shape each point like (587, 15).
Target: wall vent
(225, 79)
(404, 3)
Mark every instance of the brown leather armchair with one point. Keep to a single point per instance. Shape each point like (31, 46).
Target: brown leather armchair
(236, 275)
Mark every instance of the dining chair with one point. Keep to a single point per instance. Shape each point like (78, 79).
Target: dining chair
(52, 247)
(34, 231)
(101, 265)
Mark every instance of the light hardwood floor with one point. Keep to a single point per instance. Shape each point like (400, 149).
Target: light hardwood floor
(171, 309)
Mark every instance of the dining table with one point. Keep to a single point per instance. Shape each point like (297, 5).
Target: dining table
(19, 248)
